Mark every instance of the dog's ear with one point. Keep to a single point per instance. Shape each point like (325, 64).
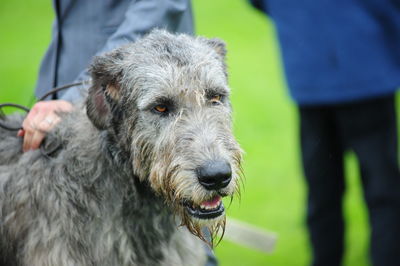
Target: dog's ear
(219, 46)
(104, 93)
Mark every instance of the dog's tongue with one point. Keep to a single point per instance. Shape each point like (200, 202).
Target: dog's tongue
(213, 202)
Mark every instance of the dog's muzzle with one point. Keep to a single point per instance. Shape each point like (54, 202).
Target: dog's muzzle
(209, 209)
(213, 176)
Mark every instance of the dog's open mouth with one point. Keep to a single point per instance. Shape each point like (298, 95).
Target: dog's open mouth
(207, 209)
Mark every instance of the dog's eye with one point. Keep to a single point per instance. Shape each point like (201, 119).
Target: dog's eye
(161, 108)
(216, 99)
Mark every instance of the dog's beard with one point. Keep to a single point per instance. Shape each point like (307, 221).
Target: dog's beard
(210, 231)
(168, 181)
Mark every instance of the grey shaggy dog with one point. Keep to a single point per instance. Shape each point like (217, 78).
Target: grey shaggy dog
(151, 149)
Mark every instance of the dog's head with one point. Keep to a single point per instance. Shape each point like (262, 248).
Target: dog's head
(165, 102)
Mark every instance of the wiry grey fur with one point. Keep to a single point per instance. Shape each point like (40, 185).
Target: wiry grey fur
(113, 193)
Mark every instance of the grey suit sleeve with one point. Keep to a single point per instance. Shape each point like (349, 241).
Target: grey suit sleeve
(140, 18)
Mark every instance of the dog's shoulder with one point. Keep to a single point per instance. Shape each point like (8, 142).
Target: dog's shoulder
(10, 144)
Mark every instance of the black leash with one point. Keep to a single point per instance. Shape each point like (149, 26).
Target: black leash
(3, 116)
(55, 90)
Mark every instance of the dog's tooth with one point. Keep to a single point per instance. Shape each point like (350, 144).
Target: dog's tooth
(209, 207)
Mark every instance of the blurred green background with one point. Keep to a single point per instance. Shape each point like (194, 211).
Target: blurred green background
(273, 197)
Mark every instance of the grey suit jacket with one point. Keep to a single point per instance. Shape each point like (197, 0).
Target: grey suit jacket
(84, 28)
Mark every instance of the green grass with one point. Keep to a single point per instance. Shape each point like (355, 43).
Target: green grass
(265, 123)
(25, 34)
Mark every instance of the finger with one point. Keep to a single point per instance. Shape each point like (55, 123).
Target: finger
(36, 140)
(42, 118)
(31, 126)
(31, 122)
(27, 140)
(38, 131)
(28, 121)
(48, 123)
(21, 133)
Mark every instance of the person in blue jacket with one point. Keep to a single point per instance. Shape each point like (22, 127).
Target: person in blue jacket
(342, 64)
(83, 29)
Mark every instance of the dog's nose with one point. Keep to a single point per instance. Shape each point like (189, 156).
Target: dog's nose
(214, 175)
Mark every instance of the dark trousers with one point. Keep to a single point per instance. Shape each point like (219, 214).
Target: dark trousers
(369, 129)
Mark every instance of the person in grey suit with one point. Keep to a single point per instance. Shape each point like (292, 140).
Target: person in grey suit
(83, 29)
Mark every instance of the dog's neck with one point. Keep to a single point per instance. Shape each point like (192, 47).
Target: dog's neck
(148, 220)
(147, 217)
(140, 212)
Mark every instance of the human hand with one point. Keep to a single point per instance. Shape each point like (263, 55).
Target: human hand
(40, 120)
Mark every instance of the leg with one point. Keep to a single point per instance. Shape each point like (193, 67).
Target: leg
(322, 156)
(370, 129)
